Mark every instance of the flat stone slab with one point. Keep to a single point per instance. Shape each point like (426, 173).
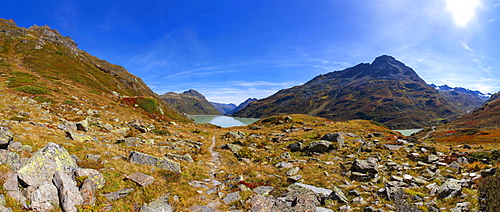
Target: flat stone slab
(141, 158)
(142, 179)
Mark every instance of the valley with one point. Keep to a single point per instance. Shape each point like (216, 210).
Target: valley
(80, 134)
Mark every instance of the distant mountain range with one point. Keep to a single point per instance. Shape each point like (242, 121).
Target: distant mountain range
(386, 91)
(190, 102)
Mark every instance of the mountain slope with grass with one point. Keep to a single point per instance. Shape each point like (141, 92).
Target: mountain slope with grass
(190, 102)
(386, 91)
(41, 63)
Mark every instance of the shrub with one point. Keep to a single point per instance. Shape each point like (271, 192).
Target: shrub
(31, 90)
(149, 105)
(68, 102)
(160, 132)
(489, 191)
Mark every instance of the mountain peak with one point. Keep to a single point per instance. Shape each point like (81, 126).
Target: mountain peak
(194, 93)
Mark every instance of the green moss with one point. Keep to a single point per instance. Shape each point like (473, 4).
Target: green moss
(20, 79)
(44, 99)
(149, 105)
(31, 90)
(68, 102)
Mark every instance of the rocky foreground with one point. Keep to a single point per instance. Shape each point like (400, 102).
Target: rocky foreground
(71, 158)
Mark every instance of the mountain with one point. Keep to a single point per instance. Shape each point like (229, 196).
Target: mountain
(190, 102)
(223, 108)
(242, 105)
(462, 97)
(386, 91)
(41, 63)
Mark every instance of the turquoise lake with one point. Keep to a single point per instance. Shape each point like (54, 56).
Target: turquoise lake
(222, 121)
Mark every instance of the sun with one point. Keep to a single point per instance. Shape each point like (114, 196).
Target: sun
(463, 11)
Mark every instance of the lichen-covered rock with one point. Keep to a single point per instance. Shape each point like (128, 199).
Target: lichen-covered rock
(141, 158)
(79, 137)
(44, 163)
(69, 195)
(93, 176)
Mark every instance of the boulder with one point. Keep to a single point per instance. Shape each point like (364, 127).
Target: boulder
(337, 138)
(320, 146)
(44, 163)
(69, 195)
(263, 190)
(365, 166)
(145, 159)
(93, 177)
(259, 203)
(83, 125)
(296, 147)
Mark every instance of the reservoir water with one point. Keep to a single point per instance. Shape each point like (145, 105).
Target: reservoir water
(222, 121)
(408, 132)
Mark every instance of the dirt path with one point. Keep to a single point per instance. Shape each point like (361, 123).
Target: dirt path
(215, 157)
(429, 133)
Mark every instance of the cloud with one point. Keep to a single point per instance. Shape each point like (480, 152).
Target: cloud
(466, 47)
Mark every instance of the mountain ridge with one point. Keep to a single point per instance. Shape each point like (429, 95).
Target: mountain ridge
(190, 102)
(386, 91)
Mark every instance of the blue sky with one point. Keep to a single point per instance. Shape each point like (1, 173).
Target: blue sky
(232, 50)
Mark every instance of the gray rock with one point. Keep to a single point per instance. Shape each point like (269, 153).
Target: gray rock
(232, 197)
(119, 194)
(263, 190)
(5, 137)
(432, 158)
(294, 178)
(337, 138)
(259, 203)
(285, 155)
(320, 209)
(315, 189)
(283, 165)
(461, 207)
(93, 157)
(79, 137)
(292, 171)
(187, 157)
(44, 163)
(235, 135)
(160, 204)
(11, 185)
(9, 158)
(15, 146)
(320, 146)
(365, 166)
(69, 195)
(339, 195)
(141, 158)
(67, 126)
(296, 147)
(142, 179)
(93, 177)
(449, 189)
(235, 149)
(83, 125)
(44, 198)
(360, 176)
(197, 208)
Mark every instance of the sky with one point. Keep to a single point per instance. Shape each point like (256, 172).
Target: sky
(231, 50)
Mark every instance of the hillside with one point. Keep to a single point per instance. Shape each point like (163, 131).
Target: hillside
(462, 97)
(386, 91)
(41, 63)
(479, 126)
(190, 102)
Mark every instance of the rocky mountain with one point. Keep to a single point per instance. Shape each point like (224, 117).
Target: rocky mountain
(223, 108)
(190, 102)
(487, 116)
(386, 91)
(242, 105)
(462, 97)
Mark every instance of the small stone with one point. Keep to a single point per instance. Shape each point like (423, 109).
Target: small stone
(292, 171)
(263, 190)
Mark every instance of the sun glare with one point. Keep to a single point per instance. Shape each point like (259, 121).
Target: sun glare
(462, 10)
